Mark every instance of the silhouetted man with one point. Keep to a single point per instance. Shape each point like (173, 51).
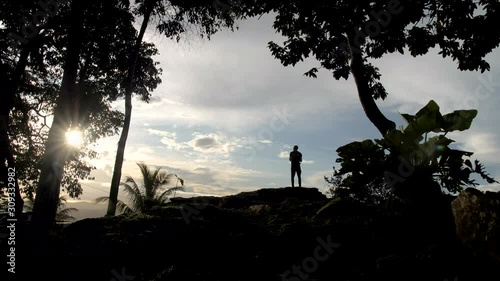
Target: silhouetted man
(295, 159)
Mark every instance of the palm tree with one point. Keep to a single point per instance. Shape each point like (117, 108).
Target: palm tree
(63, 214)
(147, 193)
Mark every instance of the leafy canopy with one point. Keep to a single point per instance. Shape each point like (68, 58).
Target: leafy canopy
(461, 30)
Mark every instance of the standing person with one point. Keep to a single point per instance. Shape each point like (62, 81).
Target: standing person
(295, 159)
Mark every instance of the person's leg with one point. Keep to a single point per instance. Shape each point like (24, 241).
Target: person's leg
(293, 176)
(299, 172)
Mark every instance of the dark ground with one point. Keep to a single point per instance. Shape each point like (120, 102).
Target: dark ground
(269, 234)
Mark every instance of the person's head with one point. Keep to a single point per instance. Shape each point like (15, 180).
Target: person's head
(295, 147)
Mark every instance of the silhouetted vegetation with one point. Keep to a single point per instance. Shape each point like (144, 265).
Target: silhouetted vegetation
(390, 214)
(147, 193)
(416, 161)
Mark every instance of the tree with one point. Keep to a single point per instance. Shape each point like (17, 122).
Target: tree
(174, 18)
(12, 14)
(91, 63)
(344, 35)
(414, 163)
(56, 154)
(63, 213)
(148, 8)
(103, 68)
(149, 192)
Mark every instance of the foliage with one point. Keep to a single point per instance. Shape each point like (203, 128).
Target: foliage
(345, 37)
(319, 29)
(148, 193)
(408, 160)
(63, 213)
(107, 40)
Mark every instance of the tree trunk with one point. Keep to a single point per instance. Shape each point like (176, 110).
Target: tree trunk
(365, 94)
(129, 88)
(56, 151)
(6, 103)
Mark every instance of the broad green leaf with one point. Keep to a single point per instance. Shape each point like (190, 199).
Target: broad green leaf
(458, 120)
(428, 119)
(431, 108)
(407, 117)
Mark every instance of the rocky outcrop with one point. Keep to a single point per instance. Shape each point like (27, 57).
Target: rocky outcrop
(265, 196)
(477, 220)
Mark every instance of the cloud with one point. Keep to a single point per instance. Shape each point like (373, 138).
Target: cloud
(484, 145)
(216, 103)
(284, 154)
(316, 179)
(205, 143)
(495, 187)
(169, 139)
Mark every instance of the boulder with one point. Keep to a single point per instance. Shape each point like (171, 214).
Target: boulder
(477, 222)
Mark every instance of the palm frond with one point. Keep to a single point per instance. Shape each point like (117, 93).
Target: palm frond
(135, 196)
(64, 215)
(164, 196)
(143, 193)
(100, 200)
(123, 208)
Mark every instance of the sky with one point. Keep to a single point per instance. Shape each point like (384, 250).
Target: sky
(228, 113)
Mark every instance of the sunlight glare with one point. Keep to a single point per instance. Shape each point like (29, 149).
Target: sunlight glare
(74, 138)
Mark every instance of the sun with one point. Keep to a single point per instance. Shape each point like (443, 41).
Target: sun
(74, 138)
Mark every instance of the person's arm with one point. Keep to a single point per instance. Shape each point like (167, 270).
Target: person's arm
(290, 157)
(300, 157)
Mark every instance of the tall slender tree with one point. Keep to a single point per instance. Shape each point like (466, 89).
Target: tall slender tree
(173, 19)
(148, 7)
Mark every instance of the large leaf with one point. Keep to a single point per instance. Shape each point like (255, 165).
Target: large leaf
(428, 119)
(458, 120)
(430, 109)
(407, 117)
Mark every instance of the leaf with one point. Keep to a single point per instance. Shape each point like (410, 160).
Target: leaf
(312, 73)
(428, 119)
(431, 108)
(458, 120)
(407, 117)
